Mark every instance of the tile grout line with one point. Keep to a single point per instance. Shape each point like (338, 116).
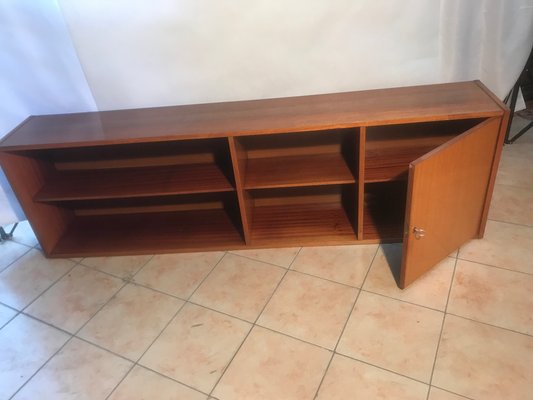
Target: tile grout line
(257, 260)
(495, 266)
(254, 324)
(23, 310)
(488, 324)
(16, 259)
(511, 223)
(449, 391)
(126, 282)
(42, 366)
(383, 369)
(135, 363)
(402, 301)
(71, 335)
(441, 329)
(345, 324)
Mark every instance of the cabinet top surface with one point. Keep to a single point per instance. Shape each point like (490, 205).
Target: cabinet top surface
(291, 114)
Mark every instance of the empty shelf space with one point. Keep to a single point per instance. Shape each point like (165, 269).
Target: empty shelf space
(134, 182)
(317, 169)
(384, 211)
(301, 224)
(390, 149)
(298, 159)
(149, 233)
(377, 171)
(303, 216)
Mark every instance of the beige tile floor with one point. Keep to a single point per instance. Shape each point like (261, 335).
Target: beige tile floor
(324, 323)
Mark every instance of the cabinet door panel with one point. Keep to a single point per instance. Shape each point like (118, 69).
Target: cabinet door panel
(446, 193)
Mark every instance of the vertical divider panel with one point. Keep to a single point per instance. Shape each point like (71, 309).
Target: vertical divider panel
(361, 182)
(238, 160)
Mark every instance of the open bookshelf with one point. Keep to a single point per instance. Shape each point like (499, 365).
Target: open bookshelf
(310, 170)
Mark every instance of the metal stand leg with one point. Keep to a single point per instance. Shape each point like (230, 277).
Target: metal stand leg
(512, 106)
(5, 235)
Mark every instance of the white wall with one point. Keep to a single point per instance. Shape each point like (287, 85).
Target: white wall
(137, 53)
(39, 74)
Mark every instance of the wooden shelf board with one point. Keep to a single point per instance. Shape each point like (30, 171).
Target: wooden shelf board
(304, 224)
(134, 182)
(386, 173)
(150, 233)
(292, 171)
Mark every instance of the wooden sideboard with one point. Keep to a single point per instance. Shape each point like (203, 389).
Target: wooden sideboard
(414, 164)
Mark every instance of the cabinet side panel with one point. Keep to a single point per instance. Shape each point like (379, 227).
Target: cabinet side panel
(495, 163)
(238, 159)
(26, 176)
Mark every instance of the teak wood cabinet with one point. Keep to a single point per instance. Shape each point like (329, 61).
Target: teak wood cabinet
(414, 164)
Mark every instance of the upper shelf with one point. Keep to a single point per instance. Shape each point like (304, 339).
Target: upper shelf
(305, 113)
(311, 170)
(390, 149)
(134, 182)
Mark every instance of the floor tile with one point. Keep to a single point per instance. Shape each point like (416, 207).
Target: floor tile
(484, 362)
(347, 377)
(273, 366)
(282, 257)
(431, 290)
(6, 314)
(75, 298)
(30, 276)
(123, 267)
(439, 394)
(516, 166)
(504, 245)
(142, 384)
(493, 295)
(196, 347)
(343, 264)
(239, 286)
(72, 374)
(25, 345)
(130, 322)
(394, 335)
(512, 204)
(309, 308)
(23, 233)
(10, 252)
(178, 274)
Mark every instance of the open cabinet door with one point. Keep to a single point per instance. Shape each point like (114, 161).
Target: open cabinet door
(445, 198)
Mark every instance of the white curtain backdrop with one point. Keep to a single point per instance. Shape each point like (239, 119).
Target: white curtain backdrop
(488, 40)
(138, 53)
(39, 74)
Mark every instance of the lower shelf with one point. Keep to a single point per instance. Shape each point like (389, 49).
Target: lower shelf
(148, 233)
(301, 224)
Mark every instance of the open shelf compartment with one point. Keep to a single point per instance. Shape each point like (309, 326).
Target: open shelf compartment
(148, 225)
(384, 210)
(135, 170)
(299, 159)
(304, 216)
(389, 149)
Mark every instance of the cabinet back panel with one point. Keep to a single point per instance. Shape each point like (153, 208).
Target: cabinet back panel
(138, 155)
